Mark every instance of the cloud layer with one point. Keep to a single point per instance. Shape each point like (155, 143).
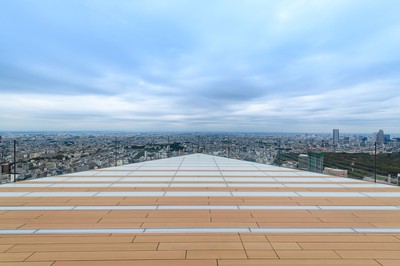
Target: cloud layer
(294, 66)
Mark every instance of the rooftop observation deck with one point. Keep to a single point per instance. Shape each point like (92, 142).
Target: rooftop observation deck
(198, 210)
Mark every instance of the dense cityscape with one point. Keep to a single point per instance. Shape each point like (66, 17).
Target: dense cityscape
(48, 154)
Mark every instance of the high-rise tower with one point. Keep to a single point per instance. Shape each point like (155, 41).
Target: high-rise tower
(380, 137)
(335, 137)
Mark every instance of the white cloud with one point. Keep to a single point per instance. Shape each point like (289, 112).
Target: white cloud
(184, 65)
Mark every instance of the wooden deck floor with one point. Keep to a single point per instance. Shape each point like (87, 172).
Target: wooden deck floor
(199, 210)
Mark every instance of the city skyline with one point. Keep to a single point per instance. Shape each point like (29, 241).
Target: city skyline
(206, 66)
(122, 132)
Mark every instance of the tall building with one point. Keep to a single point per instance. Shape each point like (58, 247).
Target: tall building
(387, 138)
(335, 137)
(380, 137)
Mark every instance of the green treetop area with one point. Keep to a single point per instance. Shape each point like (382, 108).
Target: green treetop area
(358, 165)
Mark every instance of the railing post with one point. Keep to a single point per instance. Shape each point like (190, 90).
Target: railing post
(15, 160)
(375, 164)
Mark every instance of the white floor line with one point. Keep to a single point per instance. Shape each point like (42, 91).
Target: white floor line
(197, 207)
(200, 230)
(190, 184)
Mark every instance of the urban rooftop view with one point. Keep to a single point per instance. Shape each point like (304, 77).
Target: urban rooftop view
(200, 133)
(49, 154)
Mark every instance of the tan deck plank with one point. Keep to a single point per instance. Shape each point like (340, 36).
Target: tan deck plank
(369, 254)
(257, 245)
(4, 248)
(216, 254)
(286, 246)
(138, 263)
(35, 239)
(334, 238)
(106, 255)
(9, 257)
(350, 246)
(201, 246)
(26, 263)
(261, 254)
(389, 262)
(307, 254)
(188, 238)
(303, 262)
(82, 247)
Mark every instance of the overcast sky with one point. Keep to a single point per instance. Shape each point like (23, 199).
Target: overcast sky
(267, 66)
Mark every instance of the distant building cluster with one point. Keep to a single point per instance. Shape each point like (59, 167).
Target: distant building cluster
(41, 155)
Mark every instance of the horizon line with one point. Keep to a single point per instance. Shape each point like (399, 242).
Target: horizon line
(178, 131)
